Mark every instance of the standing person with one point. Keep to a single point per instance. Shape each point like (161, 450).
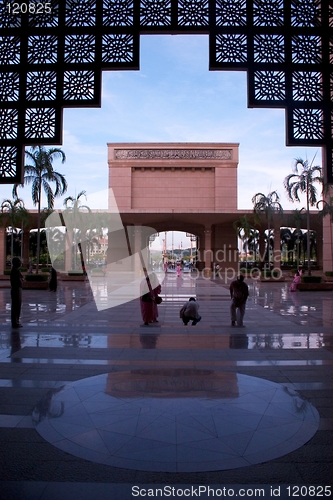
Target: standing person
(178, 270)
(190, 312)
(53, 283)
(149, 299)
(239, 292)
(16, 279)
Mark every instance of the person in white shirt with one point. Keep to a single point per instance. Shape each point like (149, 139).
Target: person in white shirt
(190, 312)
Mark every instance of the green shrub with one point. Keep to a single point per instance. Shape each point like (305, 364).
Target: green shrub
(329, 273)
(311, 279)
(36, 277)
(46, 269)
(271, 274)
(267, 274)
(75, 273)
(22, 269)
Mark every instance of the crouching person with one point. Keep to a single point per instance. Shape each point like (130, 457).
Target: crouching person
(190, 312)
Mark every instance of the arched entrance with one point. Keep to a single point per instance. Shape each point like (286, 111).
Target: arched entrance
(158, 185)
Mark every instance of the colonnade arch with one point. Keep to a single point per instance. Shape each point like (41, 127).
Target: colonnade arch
(190, 187)
(157, 185)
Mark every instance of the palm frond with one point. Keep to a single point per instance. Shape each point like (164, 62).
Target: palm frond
(49, 194)
(35, 190)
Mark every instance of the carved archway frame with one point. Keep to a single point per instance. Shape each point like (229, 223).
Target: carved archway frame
(52, 57)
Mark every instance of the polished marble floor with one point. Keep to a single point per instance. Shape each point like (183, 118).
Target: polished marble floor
(82, 390)
(176, 421)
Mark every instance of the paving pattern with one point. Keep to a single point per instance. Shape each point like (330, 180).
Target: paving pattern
(176, 421)
(93, 400)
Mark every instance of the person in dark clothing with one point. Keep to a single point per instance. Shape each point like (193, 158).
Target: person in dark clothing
(16, 279)
(53, 283)
(239, 292)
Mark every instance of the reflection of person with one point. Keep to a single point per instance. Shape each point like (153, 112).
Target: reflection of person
(53, 283)
(239, 292)
(190, 312)
(148, 298)
(238, 341)
(295, 282)
(15, 342)
(47, 407)
(16, 279)
(148, 341)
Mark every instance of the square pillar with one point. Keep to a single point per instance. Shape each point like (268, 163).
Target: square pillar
(277, 246)
(3, 255)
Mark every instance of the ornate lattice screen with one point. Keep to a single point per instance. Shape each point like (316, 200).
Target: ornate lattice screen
(52, 55)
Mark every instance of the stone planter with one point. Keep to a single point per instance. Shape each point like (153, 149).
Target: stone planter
(35, 285)
(320, 287)
(272, 280)
(65, 277)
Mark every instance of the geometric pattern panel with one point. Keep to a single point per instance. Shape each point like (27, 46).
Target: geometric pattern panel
(52, 55)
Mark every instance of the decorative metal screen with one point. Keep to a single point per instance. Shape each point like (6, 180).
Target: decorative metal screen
(52, 55)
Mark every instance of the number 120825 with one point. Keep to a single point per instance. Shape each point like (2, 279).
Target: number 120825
(31, 8)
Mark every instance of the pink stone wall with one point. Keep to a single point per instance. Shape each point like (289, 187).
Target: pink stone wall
(174, 176)
(173, 189)
(2, 249)
(327, 244)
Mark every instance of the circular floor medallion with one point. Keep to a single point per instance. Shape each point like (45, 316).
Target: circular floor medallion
(175, 420)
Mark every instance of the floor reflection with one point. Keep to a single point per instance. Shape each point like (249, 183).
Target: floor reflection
(239, 341)
(149, 340)
(306, 308)
(176, 420)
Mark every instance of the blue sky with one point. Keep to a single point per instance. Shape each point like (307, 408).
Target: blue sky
(174, 98)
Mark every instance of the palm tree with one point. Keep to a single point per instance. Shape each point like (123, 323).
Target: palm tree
(304, 182)
(269, 205)
(74, 220)
(244, 228)
(252, 243)
(40, 174)
(298, 236)
(15, 214)
(287, 240)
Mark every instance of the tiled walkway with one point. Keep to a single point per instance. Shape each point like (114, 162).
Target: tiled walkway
(92, 403)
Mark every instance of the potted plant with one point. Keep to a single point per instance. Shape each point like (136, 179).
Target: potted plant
(314, 283)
